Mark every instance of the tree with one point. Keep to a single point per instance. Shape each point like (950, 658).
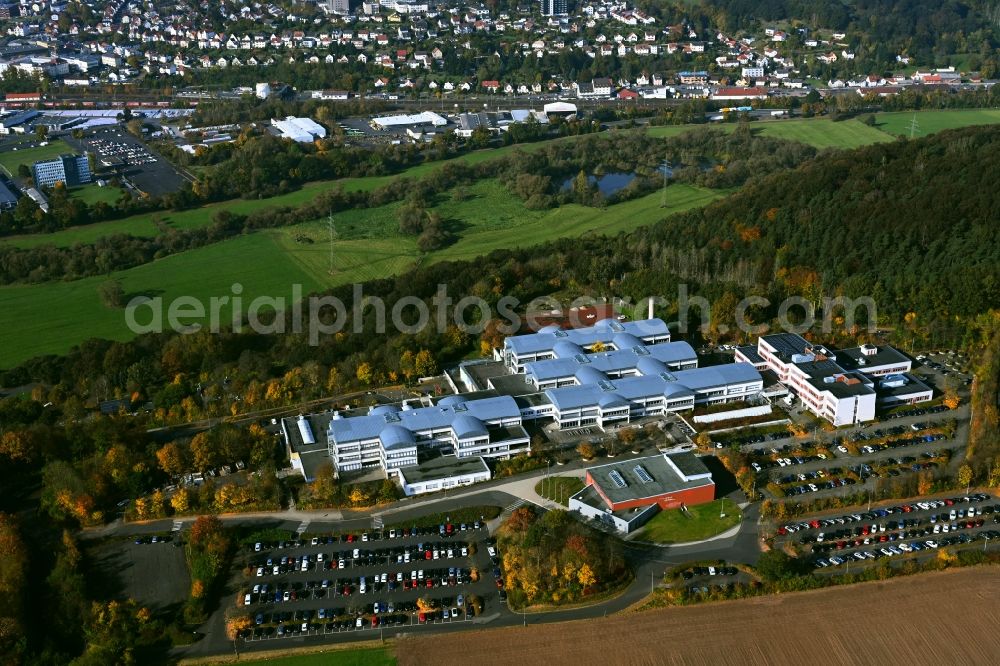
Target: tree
(365, 373)
(424, 363)
(112, 294)
(965, 475)
(586, 576)
(776, 564)
(172, 459)
(235, 626)
(586, 450)
(24, 171)
(181, 501)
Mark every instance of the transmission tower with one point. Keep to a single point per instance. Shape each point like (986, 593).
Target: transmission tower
(914, 126)
(333, 237)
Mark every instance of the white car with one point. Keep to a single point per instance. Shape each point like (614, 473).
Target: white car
(246, 599)
(257, 546)
(260, 571)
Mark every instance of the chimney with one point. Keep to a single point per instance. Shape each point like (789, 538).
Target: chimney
(650, 315)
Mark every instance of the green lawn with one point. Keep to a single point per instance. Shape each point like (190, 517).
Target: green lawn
(817, 132)
(10, 159)
(823, 133)
(349, 657)
(54, 316)
(559, 488)
(92, 194)
(930, 122)
(703, 522)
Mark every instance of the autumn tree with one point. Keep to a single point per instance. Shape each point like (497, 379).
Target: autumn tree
(173, 459)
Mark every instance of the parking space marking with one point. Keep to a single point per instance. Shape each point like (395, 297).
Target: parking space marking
(303, 526)
(178, 524)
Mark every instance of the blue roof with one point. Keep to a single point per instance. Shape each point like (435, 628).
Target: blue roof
(603, 331)
(422, 418)
(468, 426)
(395, 435)
(614, 361)
(680, 384)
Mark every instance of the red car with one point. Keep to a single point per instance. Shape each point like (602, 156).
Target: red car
(782, 531)
(428, 555)
(499, 583)
(430, 583)
(422, 618)
(374, 620)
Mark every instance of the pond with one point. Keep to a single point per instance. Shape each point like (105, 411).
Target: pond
(612, 182)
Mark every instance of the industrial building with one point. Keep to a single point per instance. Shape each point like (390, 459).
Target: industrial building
(626, 494)
(302, 130)
(843, 387)
(404, 120)
(71, 170)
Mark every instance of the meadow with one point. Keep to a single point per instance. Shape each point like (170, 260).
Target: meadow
(931, 122)
(56, 315)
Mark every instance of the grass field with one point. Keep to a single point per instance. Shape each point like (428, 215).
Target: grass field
(10, 159)
(349, 657)
(817, 132)
(56, 315)
(930, 122)
(92, 194)
(702, 522)
(559, 488)
(894, 621)
(823, 133)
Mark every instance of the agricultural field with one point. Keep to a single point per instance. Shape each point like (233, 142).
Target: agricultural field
(930, 122)
(345, 657)
(797, 629)
(11, 159)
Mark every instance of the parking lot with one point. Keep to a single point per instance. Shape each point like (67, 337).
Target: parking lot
(147, 171)
(896, 531)
(890, 451)
(381, 579)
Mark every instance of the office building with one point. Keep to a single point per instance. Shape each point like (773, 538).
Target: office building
(72, 170)
(555, 8)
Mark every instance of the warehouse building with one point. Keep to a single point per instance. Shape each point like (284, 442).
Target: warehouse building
(302, 130)
(627, 494)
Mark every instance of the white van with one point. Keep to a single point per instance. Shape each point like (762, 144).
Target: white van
(363, 588)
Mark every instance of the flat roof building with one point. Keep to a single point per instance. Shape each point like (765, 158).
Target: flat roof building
(840, 386)
(71, 170)
(626, 494)
(302, 130)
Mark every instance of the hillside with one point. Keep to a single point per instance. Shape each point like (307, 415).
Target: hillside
(909, 223)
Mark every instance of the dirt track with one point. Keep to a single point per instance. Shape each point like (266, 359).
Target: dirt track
(939, 618)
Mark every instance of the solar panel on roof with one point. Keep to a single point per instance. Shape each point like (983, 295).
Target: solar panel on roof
(560, 333)
(667, 377)
(582, 358)
(640, 351)
(617, 478)
(391, 417)
(643, 475)
(461, 407)
(606, 385)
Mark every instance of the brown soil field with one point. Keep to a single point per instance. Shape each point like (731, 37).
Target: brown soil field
(940, 618)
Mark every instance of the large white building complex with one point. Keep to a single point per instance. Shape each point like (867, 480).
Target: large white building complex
(602, 376)
(843, 387)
